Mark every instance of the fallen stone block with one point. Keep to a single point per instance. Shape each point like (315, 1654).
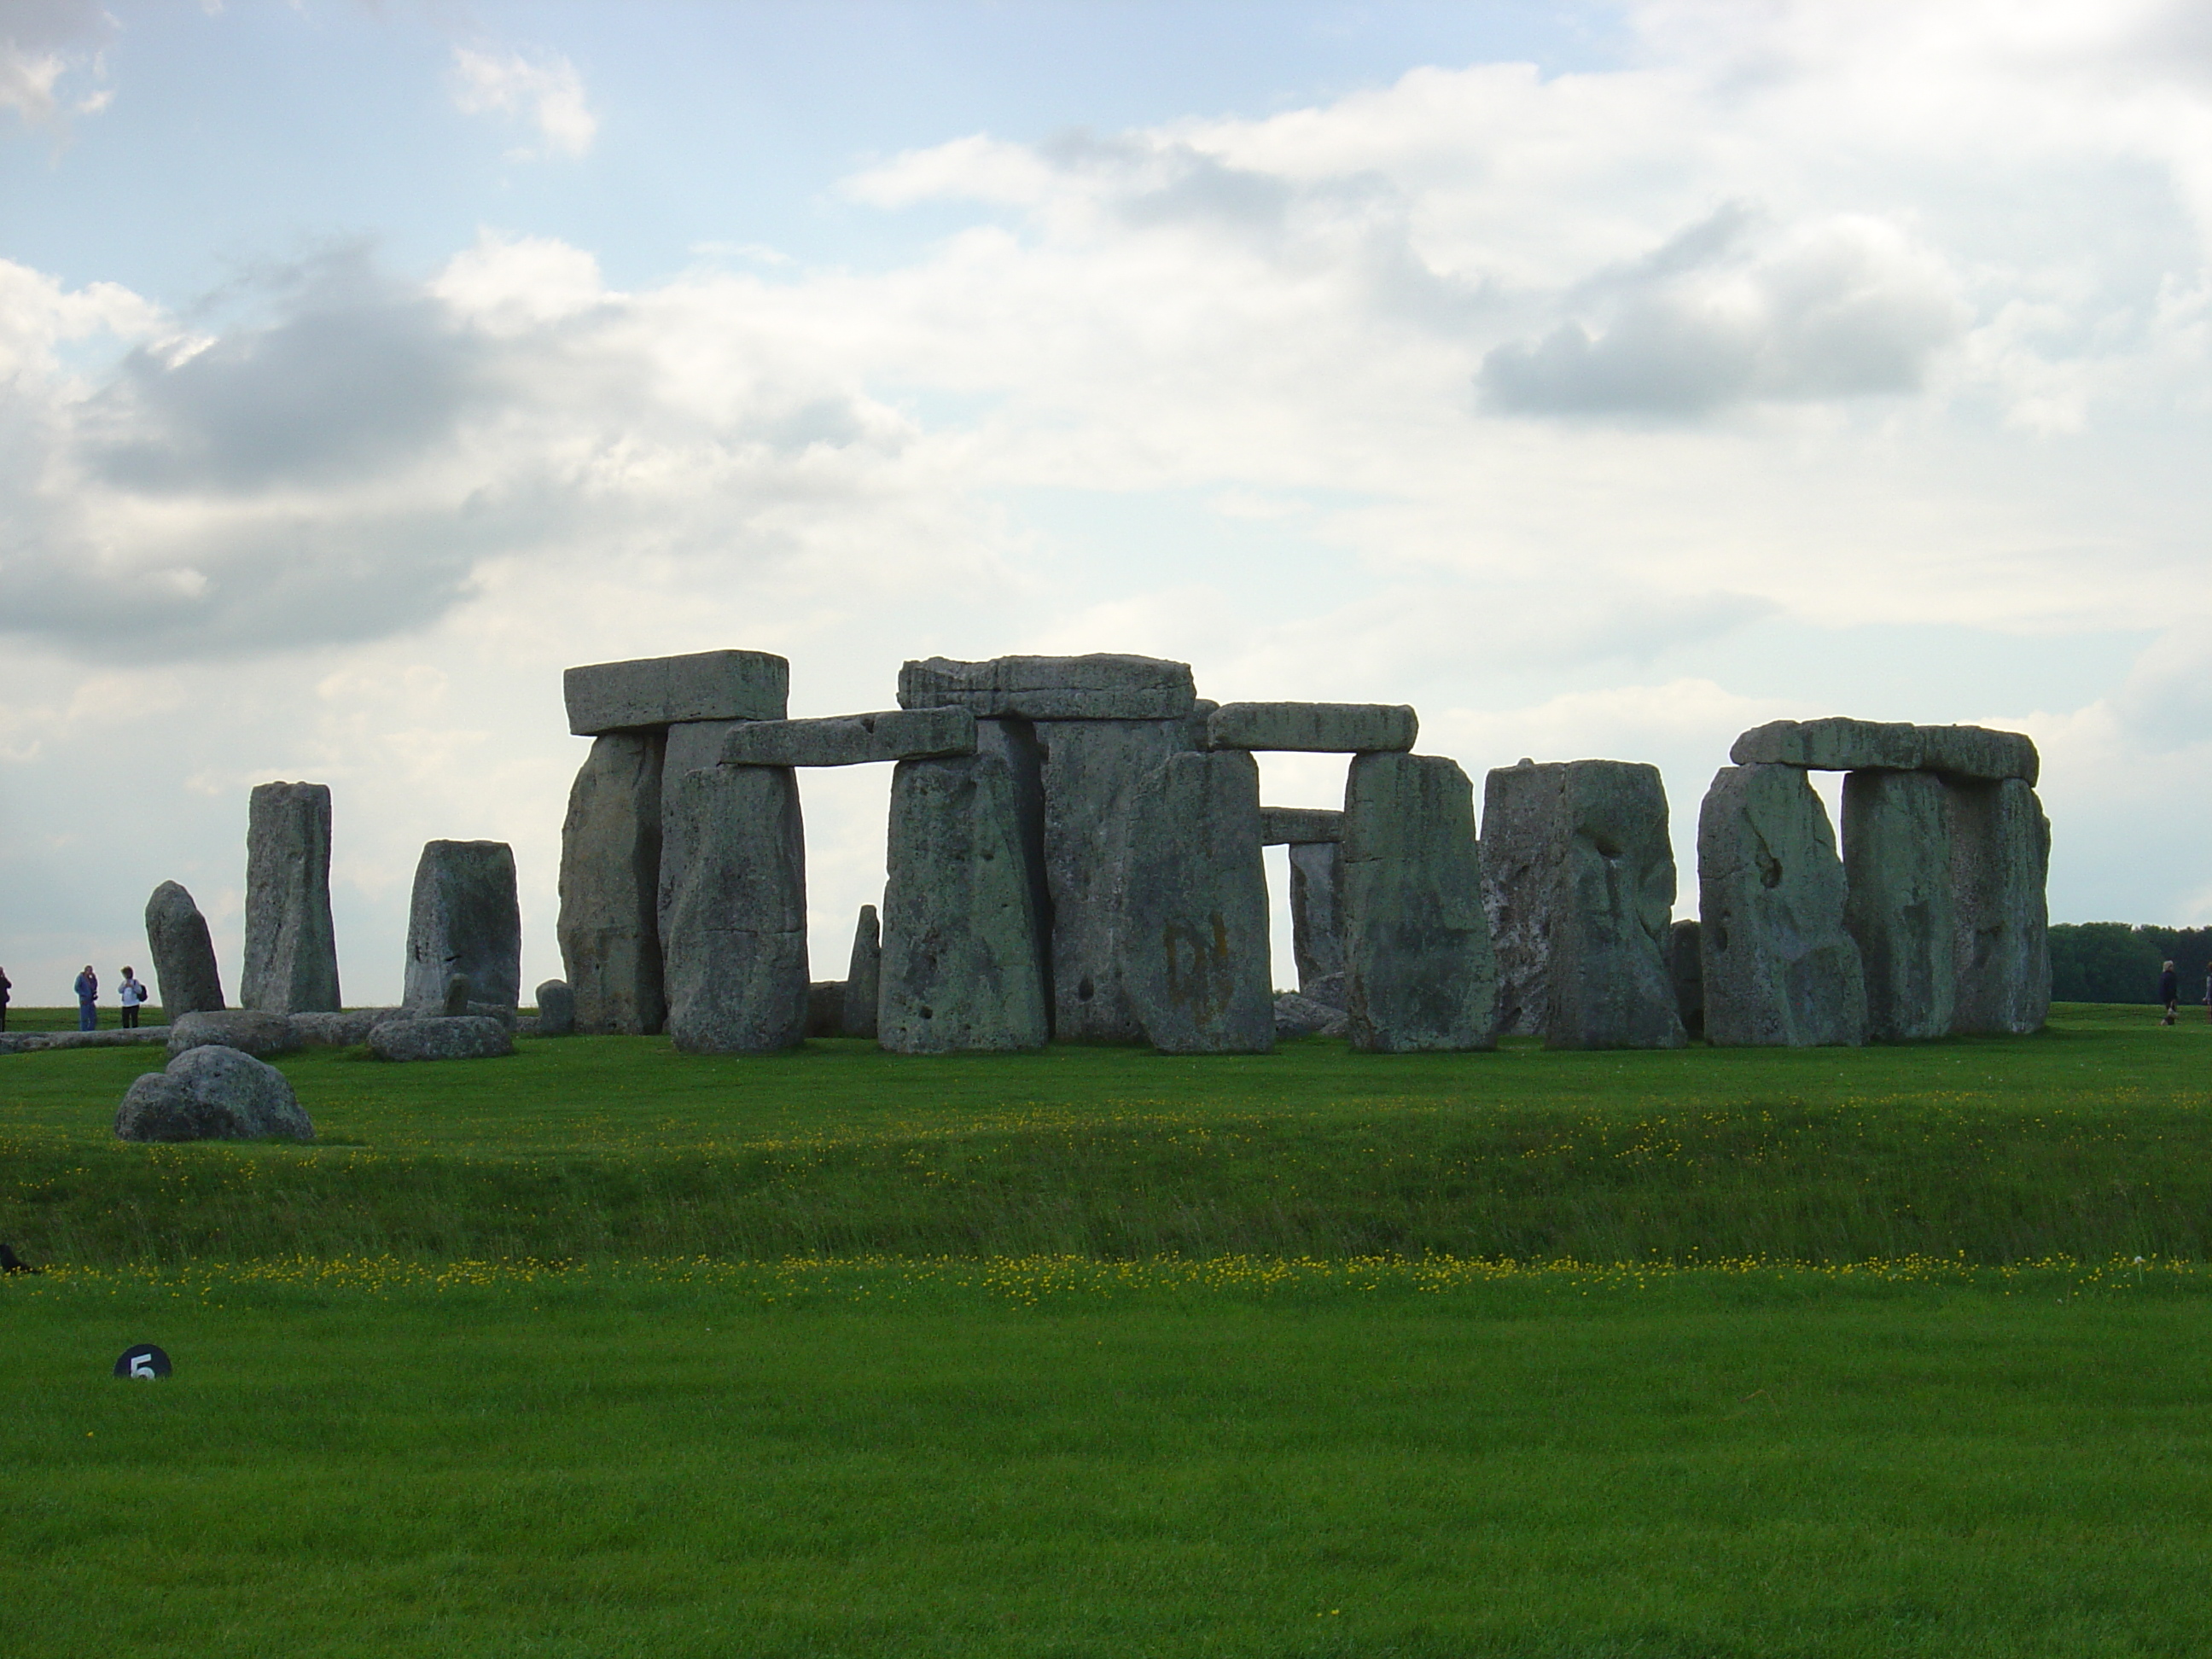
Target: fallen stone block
(465, 922)
(1299, 826)
(556, 1009)
(184, 970)
(1299, 1016)
(655, 691)
(609, 927)
(2000, 845)
(852, 739)
(1418, 972)
(291, 948)
(340, 1031)
(250, 1030)
(213, 1093)
(864, 975)
(1324, 728)
(441, 1036)
(736, 946)
(1897, 871)
(1779, 967)
(1194, 938)
(1099, 687)
(25, 1042)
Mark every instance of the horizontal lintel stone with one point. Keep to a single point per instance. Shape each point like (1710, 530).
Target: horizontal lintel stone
(1105, 686)
(1299, 826)
(655, 691)
(895, 734)
(1327, 728)
(1836, 745)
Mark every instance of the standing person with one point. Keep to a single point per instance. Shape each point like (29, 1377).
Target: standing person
(131, 994)
(88, 999)
(2169, 991)
(4, 988)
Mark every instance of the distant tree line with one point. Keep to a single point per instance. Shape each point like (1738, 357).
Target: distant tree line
(2111, 961)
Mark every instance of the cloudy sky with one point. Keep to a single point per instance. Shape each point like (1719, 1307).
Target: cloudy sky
(1601, 380)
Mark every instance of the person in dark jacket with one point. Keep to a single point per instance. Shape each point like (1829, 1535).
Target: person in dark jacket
(88, 999)
(2169, 991)
(4, 988)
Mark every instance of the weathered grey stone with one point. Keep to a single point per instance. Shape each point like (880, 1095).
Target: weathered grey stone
(1976, 751)
(1099, 687)
(556, 1009)
(736, 949)
(1193, 937)
(1299, 826)
(213, 1093)
(1017, 743)
(1779, 968)
(1299, 1016)
(185, 972)
(825, 1008)
(291, 950)
(465, 922)
(853, 739)
(339, 1030)
(1326, 728)
(2000, 860)
(250, 1030)
(1316, 911)
(441, 1037)
(455, 1003)
(25, 1042)
(655, 691)
(1578, 884)
(1896, 869)
(863, 976)
(1688, 968)
(1834, 745)
(687, 748)
(1327, 990)
(1418, 973)
(1090, 769)
(959, 968)
(609, 929)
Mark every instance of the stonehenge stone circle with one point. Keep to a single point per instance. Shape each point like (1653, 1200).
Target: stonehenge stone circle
(1418, 973)
(184, 970)
(466, 920)
(651, 692)
(1897, 871)
(557, 1008)
(1779, 967)
(2000, 859)
(609, 927)
(1299, 826)
(1328, 728)
(1316, 912)
(1103, 687)
(1578, 886)
(213, 1093)
(291, 949)
(852, 739)
(1195, 929)
(959, 969)
(864, 975)
(736, 950)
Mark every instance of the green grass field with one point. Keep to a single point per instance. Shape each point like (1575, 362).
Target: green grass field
(607, 1350)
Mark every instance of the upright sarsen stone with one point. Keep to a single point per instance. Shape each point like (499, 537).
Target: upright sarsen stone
(2000, 859)
(1897, 867)
(609, 928)
(1316, 912)
(1194, 939)
(1689, 970)
(863, 977)
(1520, 820)
(736, 950)
(1780, 969)
(464, 920)
(291, 949)
(687, 746)
(185, 971)
(1418, 973)
(959, 968)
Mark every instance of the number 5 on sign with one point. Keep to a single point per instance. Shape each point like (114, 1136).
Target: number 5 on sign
(144, 1361)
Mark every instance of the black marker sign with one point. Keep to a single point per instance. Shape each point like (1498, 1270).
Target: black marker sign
(144, 1360)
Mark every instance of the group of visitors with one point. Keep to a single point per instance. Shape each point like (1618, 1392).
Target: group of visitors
(132, 994)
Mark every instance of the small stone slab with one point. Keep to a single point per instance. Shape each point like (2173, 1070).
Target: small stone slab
(895, 734)
(1105, 686)
(213, 1093)
(1299, 826)
(1315, 728)
(441, 1037)
(1837, 744)
(653, 691)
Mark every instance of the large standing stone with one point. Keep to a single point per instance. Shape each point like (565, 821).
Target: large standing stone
(1016, 742)
(2000, 859)
(864, 975)
(1897, 867)
(687, 747)
(1104, 686)
(1578, 879)
(1780, 969)
(291, 949)
(1687, 961)
(185, 971)
(1327, 728)
(650, 692)
(1418, 973)
(959, 968)
(1195, 954)
(557, 1008)
(1316, 911)
(737, 937)
(213, 1093)
(1091, 769)
(609, 929)
(466, 920)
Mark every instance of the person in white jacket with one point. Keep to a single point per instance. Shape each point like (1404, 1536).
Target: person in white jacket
(131, 994)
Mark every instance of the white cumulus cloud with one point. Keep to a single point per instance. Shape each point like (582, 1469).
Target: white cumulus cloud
(546, 91)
